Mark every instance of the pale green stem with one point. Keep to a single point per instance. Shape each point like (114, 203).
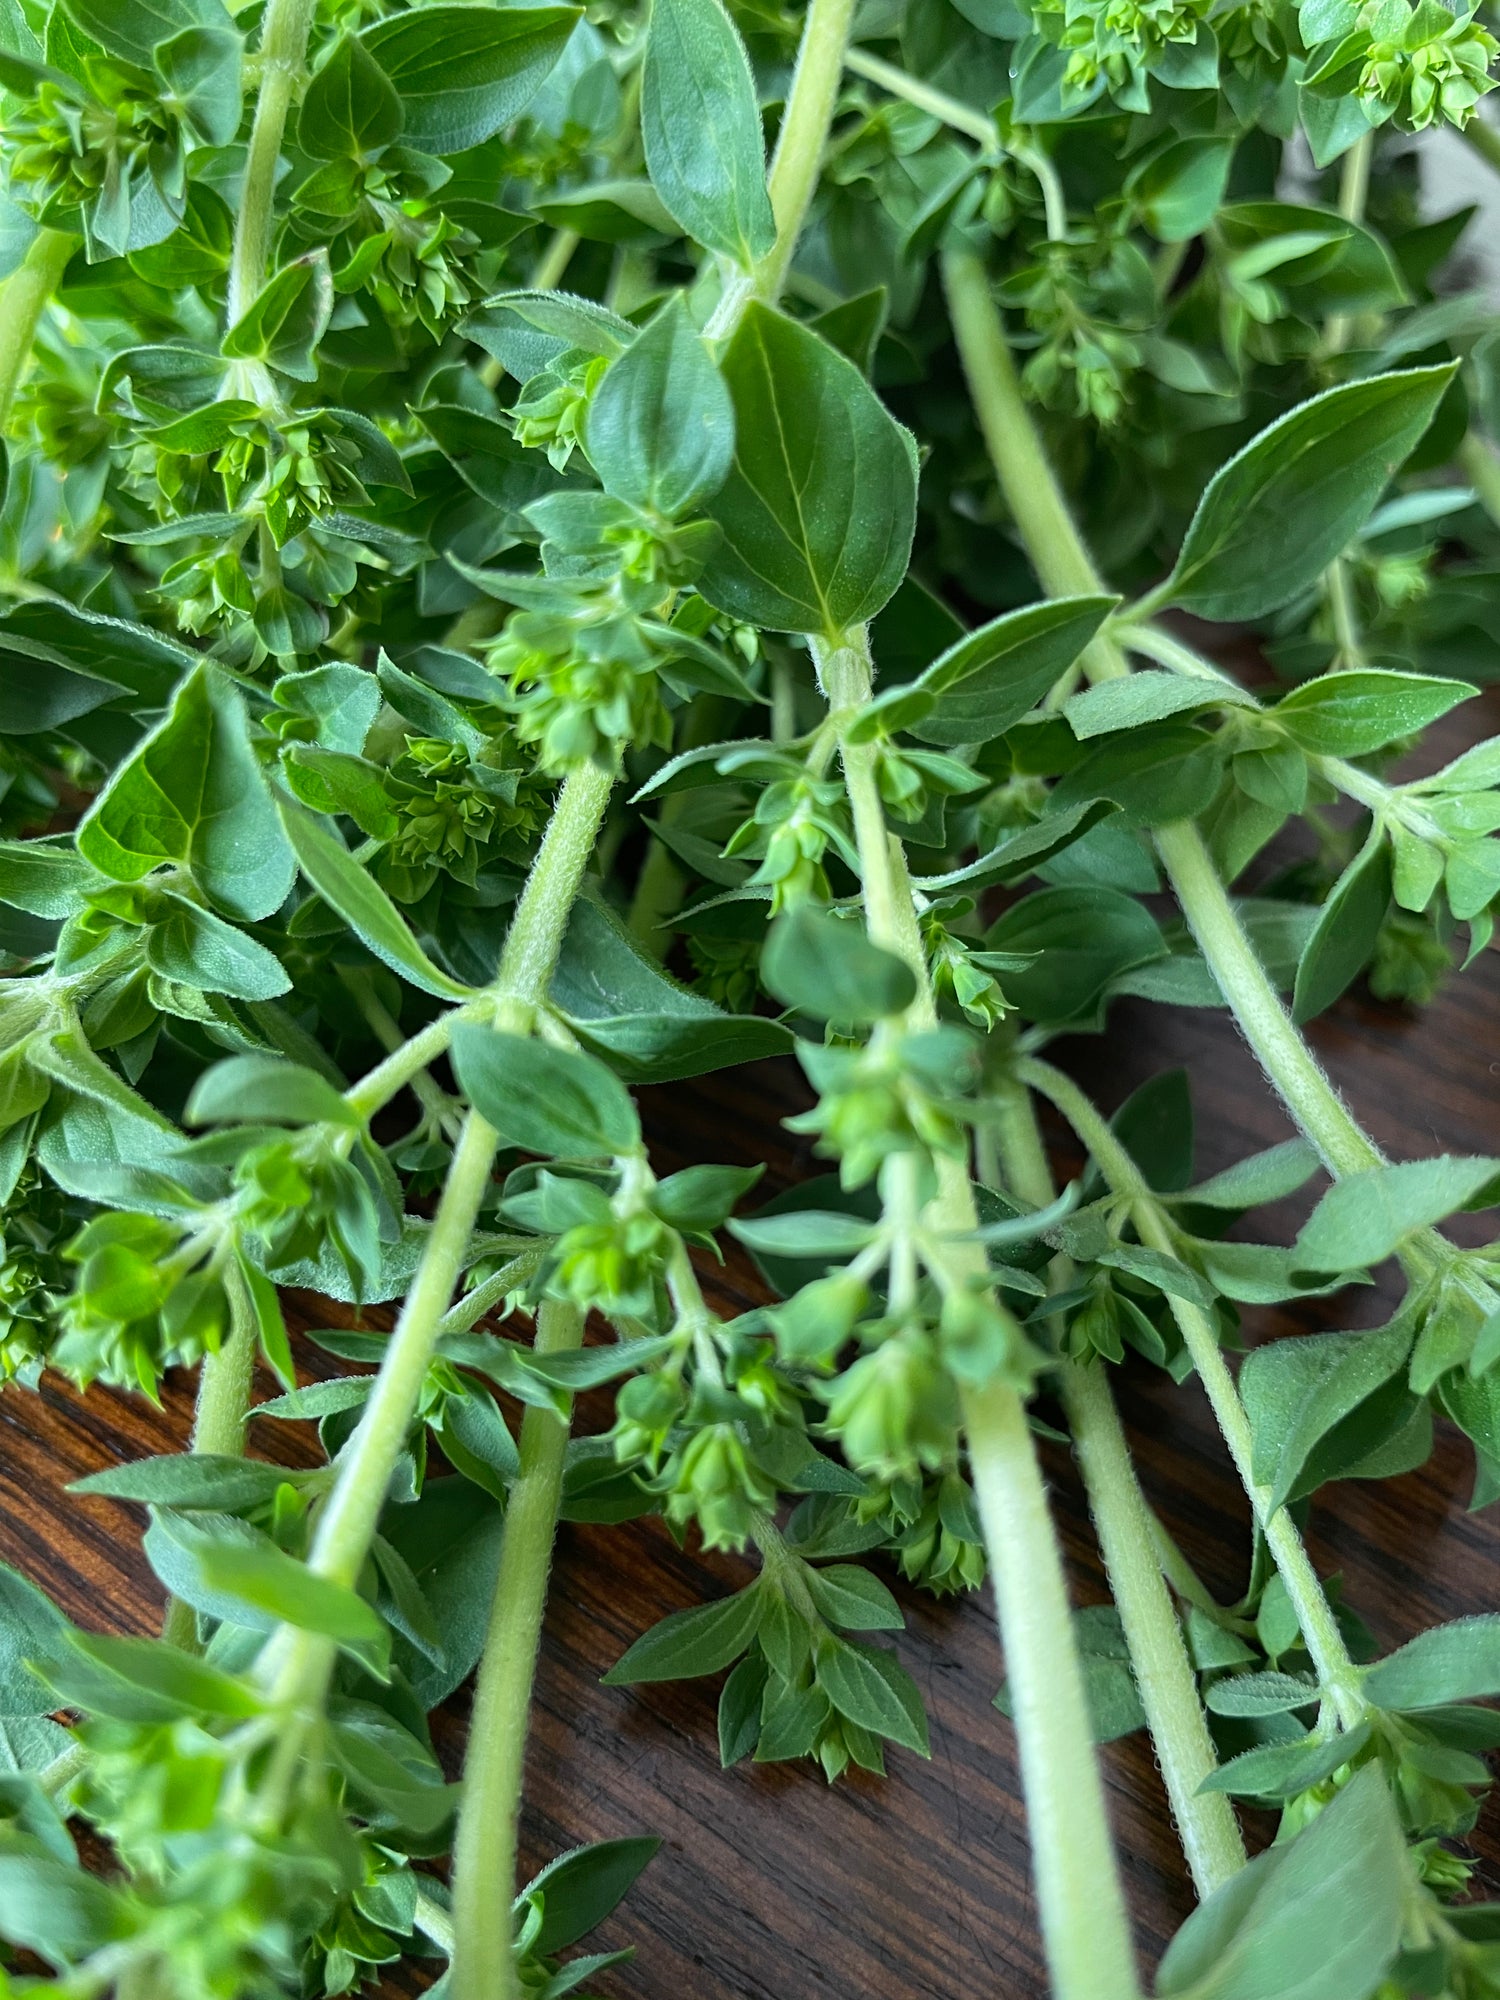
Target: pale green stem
(299, 1663)
(224, 1383)
(1287, 1060)
(793, 179)
(1354, 178)
(554, 261)
(511, 1277)
(1337, 1673)
(1354, 190)
(1123, 1522)
(282, 59)
(23, 299)
(1079, 1899)
(1054, 200)
(484, 1856)
(64, 1768)
(375, 1090)
(1481, 465)
(959, 117)
(1484, 138)
(440, 1108)
(1066, 569)
(1340, 586)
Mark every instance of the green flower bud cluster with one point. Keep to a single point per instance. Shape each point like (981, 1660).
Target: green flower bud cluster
(455, 812)
(390, 239)
(932, 1528)
(34, 1274)
(550, 410)
(149, 1296)
(961, 971)
(581, 685)
(1106, 1320)
(83, 161)
(894, 1410)
(1416, 64)
(712, 1480)
(296, 1194)
(796, 820)
(1113, 44)
(1086, 301)
(903, 1093)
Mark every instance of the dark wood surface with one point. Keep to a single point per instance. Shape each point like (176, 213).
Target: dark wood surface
(771, 1885)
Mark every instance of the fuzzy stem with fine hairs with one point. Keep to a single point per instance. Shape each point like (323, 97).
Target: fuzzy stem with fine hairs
(298, 1664)
(1337, 1673)
(283, 59)
(793, 178)
(1158, 1652)
(1066, 569)
(484, 1855)
(1079, 1897)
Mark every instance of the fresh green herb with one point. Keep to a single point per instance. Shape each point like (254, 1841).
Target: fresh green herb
(436, 698)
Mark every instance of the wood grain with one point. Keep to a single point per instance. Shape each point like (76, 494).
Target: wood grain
(770, 1885)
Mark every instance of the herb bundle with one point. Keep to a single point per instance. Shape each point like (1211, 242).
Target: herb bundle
(546, 552)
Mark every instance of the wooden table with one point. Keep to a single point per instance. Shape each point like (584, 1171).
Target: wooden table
(770, 1885)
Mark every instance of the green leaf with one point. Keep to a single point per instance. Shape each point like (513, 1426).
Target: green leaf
(286, 320)
(543, 1099)
(870, 1687)
(1178, 190)
(1316, 1919)
(579, 1889)
(54, 1908)
(190, 1480)
(193, 947)
(1353, 713)
(463, 73)
(1083, 939)
(1264, 1177)
(700, 127)
(660, 428)
(992, 677)
(1282, 1770)
(351, 110)
(819, 508)
(1155, 774)
(1347, 927)
(47, 880)
(358, 898)
(1297, 1391)
(688, 1643)
(853, 1600)
(265, 1090)
(1024, 853)
(201, 68)
(804, 1233)
(1366, 1217)
(1150, 695)
(827, 967)
(143, 1680)
(194, 794)
(648, 1027)
(1278, 513)
(133, 28)
(229, 1570)
(1457, 1662)
(31, 1626)
(450, 1537)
